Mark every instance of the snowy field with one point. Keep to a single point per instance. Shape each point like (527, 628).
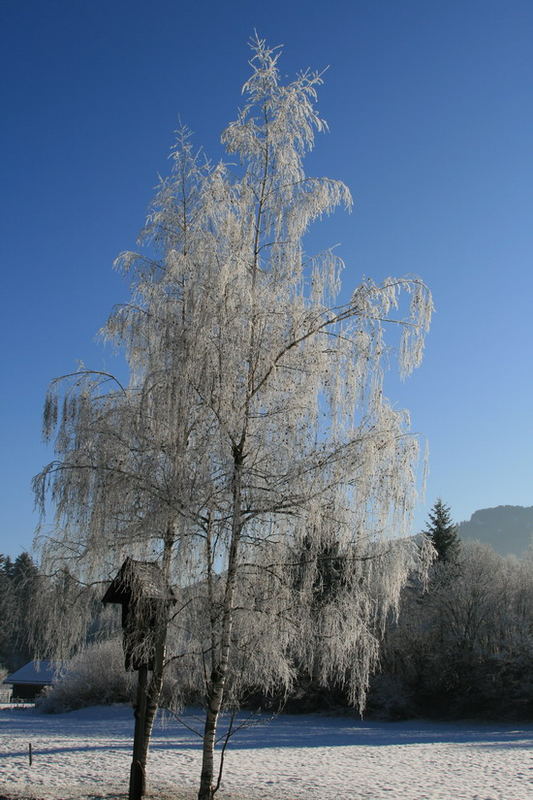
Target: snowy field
(87, 753)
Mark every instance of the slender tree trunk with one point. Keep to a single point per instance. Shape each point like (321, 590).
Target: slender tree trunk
(154, 688)
(210, 730)
(145, 710)
(138, 764)
(152, 692)
(215, 693)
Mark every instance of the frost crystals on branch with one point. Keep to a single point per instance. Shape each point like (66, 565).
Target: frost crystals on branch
(254, 428)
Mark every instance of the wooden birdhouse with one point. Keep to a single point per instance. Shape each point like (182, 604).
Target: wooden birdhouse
(145, 597)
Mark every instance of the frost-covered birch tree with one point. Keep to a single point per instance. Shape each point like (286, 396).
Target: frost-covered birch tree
(254, 425)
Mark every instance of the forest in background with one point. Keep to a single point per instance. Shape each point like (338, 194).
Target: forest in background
(18, 584)
(460, 647)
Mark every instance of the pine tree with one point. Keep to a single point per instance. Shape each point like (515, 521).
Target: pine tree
(18, 582)
(443, 532)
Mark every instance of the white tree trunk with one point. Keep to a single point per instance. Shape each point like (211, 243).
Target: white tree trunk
(215, 692)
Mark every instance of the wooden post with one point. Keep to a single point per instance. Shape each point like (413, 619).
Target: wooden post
(142, 589)
(137, 777)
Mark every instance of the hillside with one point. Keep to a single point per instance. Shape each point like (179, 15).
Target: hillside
(508, 529)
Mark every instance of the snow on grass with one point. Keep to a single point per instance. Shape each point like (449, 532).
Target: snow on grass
(87, 754)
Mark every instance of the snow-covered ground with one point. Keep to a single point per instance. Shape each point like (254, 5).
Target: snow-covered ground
(87, 753)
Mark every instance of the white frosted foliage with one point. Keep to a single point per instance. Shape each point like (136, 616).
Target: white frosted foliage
(253, 432)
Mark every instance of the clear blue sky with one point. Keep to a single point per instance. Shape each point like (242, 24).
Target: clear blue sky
(430, 107)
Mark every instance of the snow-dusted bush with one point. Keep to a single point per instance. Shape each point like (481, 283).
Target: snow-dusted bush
(390, 697)
(96, 676)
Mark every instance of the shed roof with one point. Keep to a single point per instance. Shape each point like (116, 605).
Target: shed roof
(35, 672)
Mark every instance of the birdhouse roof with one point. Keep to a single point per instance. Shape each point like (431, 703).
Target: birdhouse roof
(143, 579)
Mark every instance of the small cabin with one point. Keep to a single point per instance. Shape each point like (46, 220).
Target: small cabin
(29, 681)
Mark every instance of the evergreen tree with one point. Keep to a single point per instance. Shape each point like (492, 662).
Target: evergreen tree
(18, 583)
(6, 614)
(443, 532)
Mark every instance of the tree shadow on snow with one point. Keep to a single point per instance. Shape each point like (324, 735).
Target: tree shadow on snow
(318, 731)
(261, 731)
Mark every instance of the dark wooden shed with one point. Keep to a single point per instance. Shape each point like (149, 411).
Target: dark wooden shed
(145, 596)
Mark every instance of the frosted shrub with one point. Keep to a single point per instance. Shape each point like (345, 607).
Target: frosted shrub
(95, 677)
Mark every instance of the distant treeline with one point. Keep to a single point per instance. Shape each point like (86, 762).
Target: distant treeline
(17, 588)
(462, 646)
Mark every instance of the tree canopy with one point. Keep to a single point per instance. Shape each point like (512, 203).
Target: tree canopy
(254, 418)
